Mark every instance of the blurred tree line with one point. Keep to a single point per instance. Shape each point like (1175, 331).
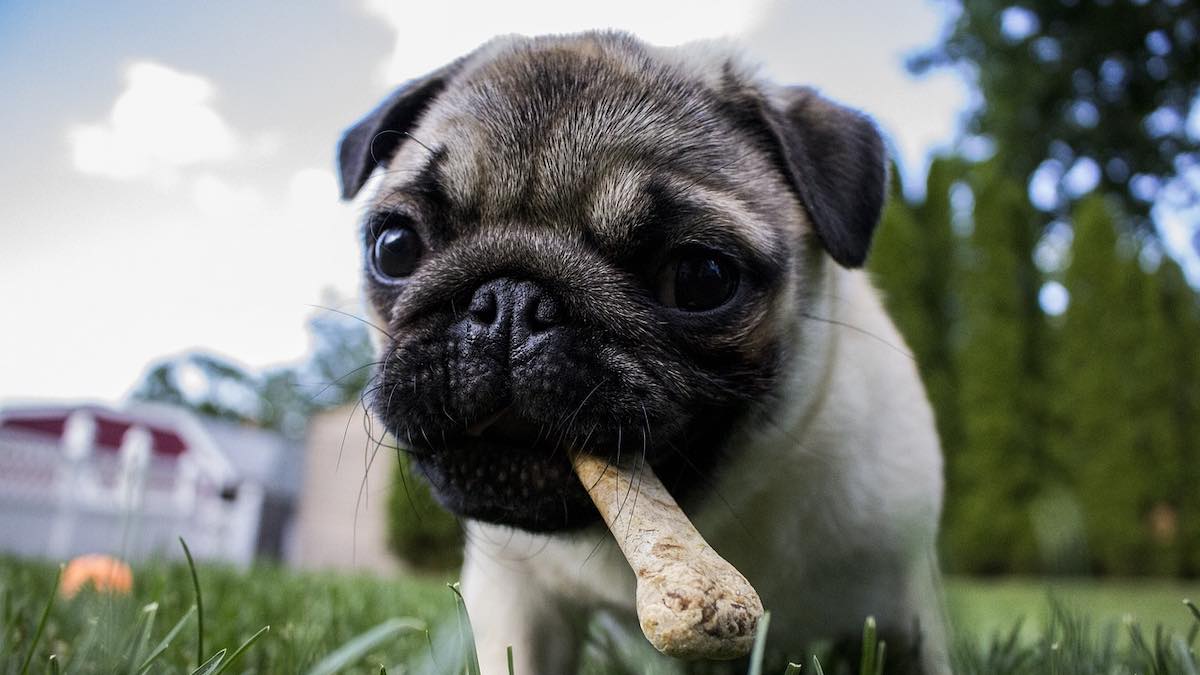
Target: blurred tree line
(1072, 436)
(336, 372)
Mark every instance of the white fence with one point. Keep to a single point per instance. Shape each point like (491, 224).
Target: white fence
(56, 502)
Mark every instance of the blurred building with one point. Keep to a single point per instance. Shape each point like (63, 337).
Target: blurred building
(343, 507)
(78, 479)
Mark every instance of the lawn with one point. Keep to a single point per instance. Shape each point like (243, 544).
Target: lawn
(984, 607)
(312, 616)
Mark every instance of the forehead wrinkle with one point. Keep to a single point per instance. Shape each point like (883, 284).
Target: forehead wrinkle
(617, 204)
(749, 228)
(405, 168)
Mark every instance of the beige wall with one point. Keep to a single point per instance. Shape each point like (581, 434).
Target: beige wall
(327, 532)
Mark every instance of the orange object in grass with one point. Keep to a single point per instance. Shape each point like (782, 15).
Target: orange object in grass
(105, 573)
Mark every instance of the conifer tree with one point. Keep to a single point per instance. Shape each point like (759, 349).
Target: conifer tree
(994, 475)
(1181, 314)
(939, 257)
(895, 263)
(1149, 383)
(1114, 440)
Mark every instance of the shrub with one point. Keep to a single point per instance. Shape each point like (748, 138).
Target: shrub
(420, 531)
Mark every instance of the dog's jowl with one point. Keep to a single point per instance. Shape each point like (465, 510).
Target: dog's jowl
(588, 244)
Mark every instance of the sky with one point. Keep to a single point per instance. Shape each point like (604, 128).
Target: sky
(168, 167)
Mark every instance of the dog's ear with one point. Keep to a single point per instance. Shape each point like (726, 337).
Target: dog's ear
(836, 162)
(374, 139)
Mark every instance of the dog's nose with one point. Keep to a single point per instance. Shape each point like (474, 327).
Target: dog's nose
(518, 310)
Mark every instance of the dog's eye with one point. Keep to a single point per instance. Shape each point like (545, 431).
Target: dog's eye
(397, 252)
(697, 280)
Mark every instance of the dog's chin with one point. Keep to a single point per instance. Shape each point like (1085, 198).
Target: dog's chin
(509, 474)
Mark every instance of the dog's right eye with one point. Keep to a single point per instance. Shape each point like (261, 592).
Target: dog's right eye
(697, 279)
(397, 251)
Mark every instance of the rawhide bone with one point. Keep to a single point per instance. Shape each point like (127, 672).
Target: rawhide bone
(691, 603)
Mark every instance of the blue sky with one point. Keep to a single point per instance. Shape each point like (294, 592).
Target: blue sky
(168, 166)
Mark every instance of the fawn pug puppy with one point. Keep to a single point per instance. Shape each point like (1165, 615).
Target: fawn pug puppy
(650, 255)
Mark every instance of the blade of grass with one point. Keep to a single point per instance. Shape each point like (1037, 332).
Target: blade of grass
(137, 655)
(84, 651)
(37, 635)
(760, 644)
(470, 655)
(357, 647)
(210, 666)
(510, 660)
(199, 602)
(792, 669)
(1193, 609)
(1160, 649)
(5, 617)
(238, 652)
(868, 647)
(52, 664)
(880, 657)
(1139, 643)
(1184, 656)
(432, 651)
(166, 641)
(816, 664)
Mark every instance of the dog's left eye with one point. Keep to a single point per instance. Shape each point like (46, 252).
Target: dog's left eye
(397, 252)
(697, 280)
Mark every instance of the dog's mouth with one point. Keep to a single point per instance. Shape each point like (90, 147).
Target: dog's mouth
(505, 426)
(508, 469)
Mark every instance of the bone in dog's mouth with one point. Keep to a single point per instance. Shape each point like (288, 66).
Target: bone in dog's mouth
(691, 603)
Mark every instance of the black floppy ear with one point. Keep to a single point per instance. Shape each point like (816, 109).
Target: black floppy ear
(836, 162)
(374, 139)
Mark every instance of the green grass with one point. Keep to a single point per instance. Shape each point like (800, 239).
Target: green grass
(273, 620)
(984, 607)
(310, 615)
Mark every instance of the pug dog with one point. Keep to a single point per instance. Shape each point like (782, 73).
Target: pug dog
(654, 256)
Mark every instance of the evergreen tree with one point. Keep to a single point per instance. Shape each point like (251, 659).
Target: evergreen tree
(1149, 383)
(1181, 314)
(1115, 442)
(940, 255)
(896, 265)
(994, 475)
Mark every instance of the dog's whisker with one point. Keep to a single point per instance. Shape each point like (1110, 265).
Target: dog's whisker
(863, 331)
(356, 318)
(414, 139)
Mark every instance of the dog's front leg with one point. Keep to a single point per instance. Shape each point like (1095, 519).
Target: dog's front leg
(508, 606)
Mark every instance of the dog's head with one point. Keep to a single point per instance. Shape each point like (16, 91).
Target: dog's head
(588, 242)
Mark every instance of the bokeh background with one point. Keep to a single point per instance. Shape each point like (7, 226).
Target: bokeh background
(174, 259)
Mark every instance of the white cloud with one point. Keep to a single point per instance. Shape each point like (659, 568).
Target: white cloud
(432, 34)
(226, 269)
(217, 197)
(313, 190)
(163, 121)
